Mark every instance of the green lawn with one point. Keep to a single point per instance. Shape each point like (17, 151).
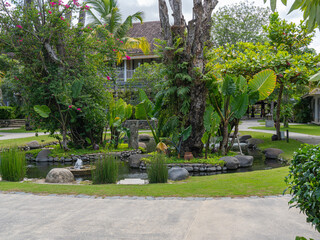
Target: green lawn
(288, 148)
(22, 141)
(257, 183)
(301, 128)
(20, 130)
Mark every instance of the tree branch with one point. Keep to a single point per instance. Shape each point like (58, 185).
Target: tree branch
(164, 20)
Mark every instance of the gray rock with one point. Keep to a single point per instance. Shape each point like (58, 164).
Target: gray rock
(59, 175)
(151, 145)
(43, 155)
(142, 145)
(134, 133)
(244, 138)
(254, 142)
(189, 169)
(245, 161)
(219, 168)
(96, 147)
(177, 174)
(144, 138)
(272, 153)
(33, 144)
(211, 169)
(243, 146)
(231, 162)
(134, 160)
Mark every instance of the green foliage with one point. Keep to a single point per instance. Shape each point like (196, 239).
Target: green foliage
(303, 238)
(150, 76)
(61, 65)
(263, 82)
(6, 112)
(240, 22)
(302, 110)
(43, 110)
(12, 165)
(157, 171)
(304, 182)
(310, 9)
(106, 170)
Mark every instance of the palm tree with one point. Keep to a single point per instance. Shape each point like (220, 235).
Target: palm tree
(106, 12)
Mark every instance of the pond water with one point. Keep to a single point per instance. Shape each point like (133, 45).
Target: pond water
(41, 169)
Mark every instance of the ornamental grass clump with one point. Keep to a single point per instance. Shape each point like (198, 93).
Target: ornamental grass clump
(158, 172)
(106, 170)
(12, 165)
(304, 182)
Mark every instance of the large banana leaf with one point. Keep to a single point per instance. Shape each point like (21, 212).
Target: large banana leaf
(42, 110)
(315, 77)
(228, 86)
(264, 82)
(239, 105)
(143, 110)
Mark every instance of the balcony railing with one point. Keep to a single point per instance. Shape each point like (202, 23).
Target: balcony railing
(121, 74)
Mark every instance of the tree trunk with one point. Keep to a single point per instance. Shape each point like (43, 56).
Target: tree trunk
(225, 138)
(277, 123)
(198, 35)
(64, 139)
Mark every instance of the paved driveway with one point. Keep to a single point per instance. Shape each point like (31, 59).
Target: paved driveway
(62, 217)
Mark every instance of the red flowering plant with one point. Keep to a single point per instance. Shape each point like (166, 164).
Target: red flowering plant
(62, 63)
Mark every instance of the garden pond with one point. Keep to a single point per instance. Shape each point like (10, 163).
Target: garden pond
(41, 169)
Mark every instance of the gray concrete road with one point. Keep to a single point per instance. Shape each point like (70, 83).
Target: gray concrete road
(62, 217)
(305, 138)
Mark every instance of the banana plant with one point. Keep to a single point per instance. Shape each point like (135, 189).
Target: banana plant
(145, 110)
(118, 112)
(232, 96)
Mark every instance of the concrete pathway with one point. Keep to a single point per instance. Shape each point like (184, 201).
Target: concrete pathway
(305, 138)
(28, 216)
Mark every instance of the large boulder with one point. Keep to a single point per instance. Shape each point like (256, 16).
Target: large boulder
(244, 161)
(43, 155)
(134, 160)
(151, 145)
(272, 153)
(244, 138)
(177, 174)
(232, 163)
(59, 175)
(33, 144)
(143, 145)
(243, 146)
(254, 142)
(144, 137)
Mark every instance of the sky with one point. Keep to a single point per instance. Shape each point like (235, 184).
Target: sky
(151, 13)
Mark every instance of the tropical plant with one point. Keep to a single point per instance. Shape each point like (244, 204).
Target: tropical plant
(145, 110)
(118, 112)
(178, 138)
(106, 170)
(310, 9)
(304, 182)
(231, 98)
(240, 22)
(158, 171)
(211, 126)
(107, 13)
(12, 165)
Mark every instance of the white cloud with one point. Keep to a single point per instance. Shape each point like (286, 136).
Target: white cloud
(146, 3)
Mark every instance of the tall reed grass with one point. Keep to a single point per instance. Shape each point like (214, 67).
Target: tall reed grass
(106, 170)
(12, 165)
(158, 172)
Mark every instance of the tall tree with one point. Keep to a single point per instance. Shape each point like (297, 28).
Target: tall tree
(240, 22)
(186, 44)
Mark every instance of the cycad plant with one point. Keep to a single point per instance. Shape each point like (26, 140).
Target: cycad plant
(12, 165)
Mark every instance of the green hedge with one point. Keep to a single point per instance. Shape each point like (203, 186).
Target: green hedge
(7, 112)
(304, 182)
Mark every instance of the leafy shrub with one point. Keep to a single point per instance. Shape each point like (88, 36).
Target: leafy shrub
(304, 182)
(13, 165)
(158, 172)
(6, 112)
(106, 170)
